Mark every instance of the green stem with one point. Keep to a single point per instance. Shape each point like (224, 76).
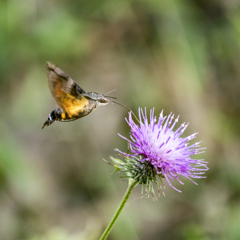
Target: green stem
(131, 185)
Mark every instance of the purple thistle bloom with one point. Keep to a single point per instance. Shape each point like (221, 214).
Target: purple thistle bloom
(163, 148)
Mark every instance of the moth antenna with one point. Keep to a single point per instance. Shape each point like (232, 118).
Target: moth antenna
(111, 91)
(127, 108)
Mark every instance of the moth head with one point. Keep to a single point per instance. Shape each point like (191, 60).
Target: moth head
(98, 97)
(103, 101)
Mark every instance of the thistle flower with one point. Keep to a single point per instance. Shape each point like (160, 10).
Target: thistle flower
(158, 152)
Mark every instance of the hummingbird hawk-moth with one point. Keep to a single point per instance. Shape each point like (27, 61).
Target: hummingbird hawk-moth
(73, 102)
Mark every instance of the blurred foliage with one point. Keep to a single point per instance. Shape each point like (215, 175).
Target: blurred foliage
(181, 56)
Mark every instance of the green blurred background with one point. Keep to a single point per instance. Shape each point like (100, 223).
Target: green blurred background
(177, 55)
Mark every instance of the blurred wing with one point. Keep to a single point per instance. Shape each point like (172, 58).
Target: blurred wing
(71, 105)
(67, 93)
(56, 76)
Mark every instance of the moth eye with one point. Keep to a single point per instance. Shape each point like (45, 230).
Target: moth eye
(103, 101)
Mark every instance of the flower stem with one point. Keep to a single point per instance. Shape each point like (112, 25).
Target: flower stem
(131, 185)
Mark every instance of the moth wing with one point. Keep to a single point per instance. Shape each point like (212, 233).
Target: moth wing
(71, 105)
(67, 94)
(56, 76)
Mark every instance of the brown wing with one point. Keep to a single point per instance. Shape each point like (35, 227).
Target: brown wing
(67, 93)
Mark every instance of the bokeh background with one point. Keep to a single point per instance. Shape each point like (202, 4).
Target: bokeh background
(177, 55)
